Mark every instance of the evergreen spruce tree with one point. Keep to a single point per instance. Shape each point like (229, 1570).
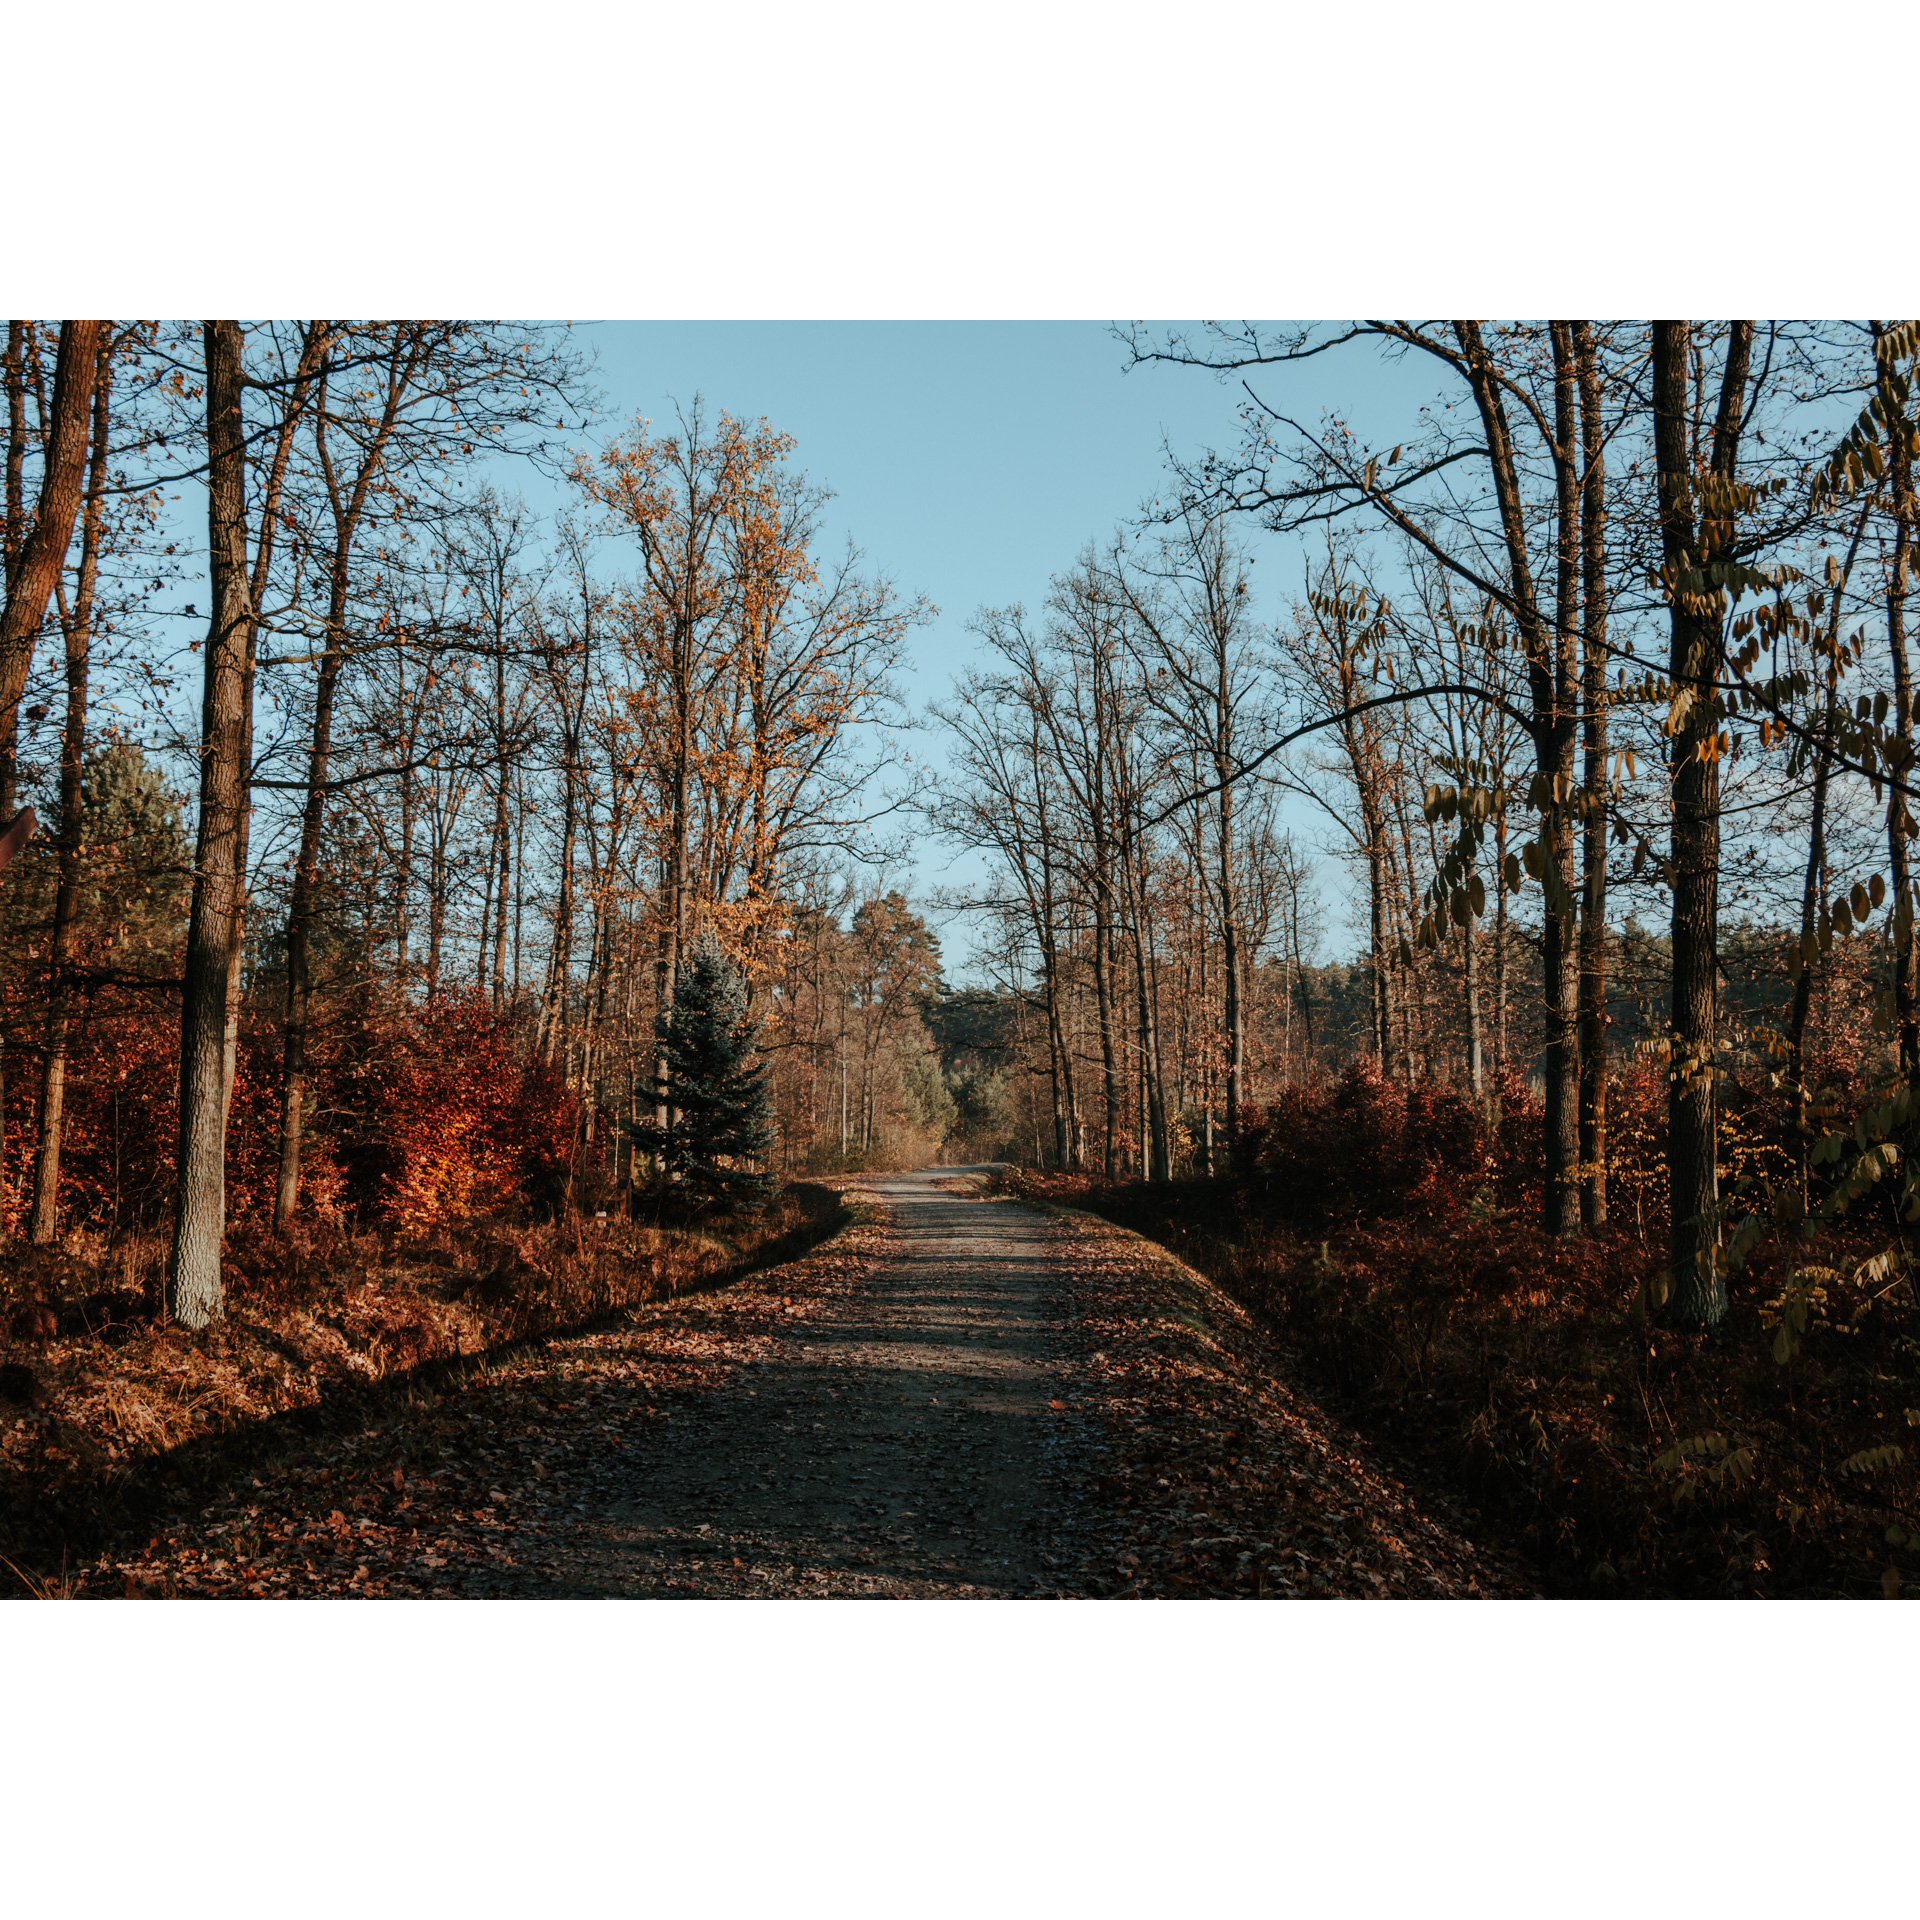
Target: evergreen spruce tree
(722, 1114)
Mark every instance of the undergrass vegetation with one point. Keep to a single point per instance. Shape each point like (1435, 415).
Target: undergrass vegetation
(1384, 1236)
(109, 1412)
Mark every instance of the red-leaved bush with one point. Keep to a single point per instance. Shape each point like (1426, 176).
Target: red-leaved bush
(417, 1116)
(1366, 1145)
(445, 1118)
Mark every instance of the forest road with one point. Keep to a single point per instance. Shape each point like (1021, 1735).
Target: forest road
(952, 1396)
(909, 1437)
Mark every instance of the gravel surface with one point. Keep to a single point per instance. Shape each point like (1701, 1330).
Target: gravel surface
(897, 1431)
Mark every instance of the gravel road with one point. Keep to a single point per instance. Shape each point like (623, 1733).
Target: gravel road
(906, 1437)
(953, 1396)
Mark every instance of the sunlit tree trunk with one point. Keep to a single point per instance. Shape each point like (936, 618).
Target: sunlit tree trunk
(43, 545)
(194, 1292)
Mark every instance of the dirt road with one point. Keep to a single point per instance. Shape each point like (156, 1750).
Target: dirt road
(908, 1436)
(954, 1396)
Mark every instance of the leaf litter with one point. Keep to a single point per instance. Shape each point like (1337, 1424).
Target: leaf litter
(1128, 1433)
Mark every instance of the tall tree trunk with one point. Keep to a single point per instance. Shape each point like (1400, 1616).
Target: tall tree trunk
(1550, 649)
(1593, 896)
(46, 1165)
(1559, 727)
(519, 874)
(194, 1292)
(1699, 1297)
(1906, 979)
(486, 916)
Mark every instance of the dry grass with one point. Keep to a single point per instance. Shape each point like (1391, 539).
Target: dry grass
(107, 1409)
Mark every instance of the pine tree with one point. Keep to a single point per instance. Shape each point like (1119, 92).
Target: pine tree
(722, 1113)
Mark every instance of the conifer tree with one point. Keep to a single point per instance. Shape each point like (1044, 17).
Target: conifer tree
(721, 1114)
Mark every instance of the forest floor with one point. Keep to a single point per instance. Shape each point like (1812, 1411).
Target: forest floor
(1614, 1454)
(953, 1396)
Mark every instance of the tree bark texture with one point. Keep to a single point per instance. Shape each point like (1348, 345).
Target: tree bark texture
(43, 546)
(194, 1292)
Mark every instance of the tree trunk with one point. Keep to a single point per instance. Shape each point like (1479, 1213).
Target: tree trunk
(436, 909)
(1062, 1061)
(1807, 956)
(1906, 985)
(560, 961)
(1557, 731)
(16, 385)
(1815, 937)
(194, 1293)
(1104, 1004)
(667, 957)
(43, 549)
(1593, 896)
(347, 510)
(1500, 942)
(1699, 1297)
(1476, 1065)
(1377, 927)
(500, 833)
(46, 1164)
(1233, 1011)
(312, 352)
(1549, 648)
(1156, 1161)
